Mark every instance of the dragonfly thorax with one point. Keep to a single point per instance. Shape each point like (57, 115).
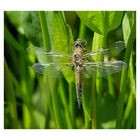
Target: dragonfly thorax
(78, 58)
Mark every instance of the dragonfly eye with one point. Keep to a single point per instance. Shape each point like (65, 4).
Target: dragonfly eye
(80, 43)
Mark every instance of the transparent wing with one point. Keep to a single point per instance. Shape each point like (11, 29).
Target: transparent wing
(104, 68)
(49, 57)
(52, 69)
(116, 48)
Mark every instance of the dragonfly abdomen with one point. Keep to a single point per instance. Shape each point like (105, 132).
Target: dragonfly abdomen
(79, 77)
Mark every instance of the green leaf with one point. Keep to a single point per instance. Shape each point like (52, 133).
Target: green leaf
(14, 17)
(35, 101)
(61, 38)
(101, 21)
(39, 116)
(129, 26)
(31, 26)
(44, 30)
(87, 97)
(107, 109)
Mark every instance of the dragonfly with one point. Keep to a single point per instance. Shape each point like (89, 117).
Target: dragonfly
(80, 61)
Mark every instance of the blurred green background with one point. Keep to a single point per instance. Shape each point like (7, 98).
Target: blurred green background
(37, 101)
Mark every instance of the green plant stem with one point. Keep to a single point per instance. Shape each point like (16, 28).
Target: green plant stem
(81, 30)
(99, 41)
(44, 29)
(10, 97)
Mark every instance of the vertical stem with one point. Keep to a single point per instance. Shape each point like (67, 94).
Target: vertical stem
(44, 28)
(81, 30)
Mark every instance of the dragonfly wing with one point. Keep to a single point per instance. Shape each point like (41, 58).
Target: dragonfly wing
(104, 68)
(116, 48)
(52, 69)
(49, 57)
(33, 50)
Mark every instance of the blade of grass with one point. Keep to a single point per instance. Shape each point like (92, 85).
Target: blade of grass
(10, 97)
(44, 29)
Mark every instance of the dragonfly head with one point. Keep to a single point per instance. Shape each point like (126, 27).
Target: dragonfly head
(80, 43)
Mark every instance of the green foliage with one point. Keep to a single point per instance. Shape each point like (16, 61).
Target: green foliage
(101, 22)
(129, 29)
(39, 101)
(31, 26)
